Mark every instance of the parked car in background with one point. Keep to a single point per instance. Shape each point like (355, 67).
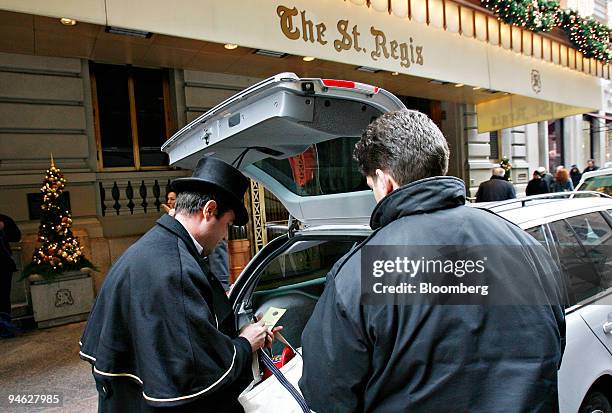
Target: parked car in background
(599, 180)
(296, 137)
(577, 231)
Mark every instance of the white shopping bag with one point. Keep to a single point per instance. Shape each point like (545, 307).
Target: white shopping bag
(272, 395)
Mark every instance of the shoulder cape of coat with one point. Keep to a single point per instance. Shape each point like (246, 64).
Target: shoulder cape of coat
(162, 320)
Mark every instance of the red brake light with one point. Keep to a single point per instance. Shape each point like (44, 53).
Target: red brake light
(347, 84)
(338, 83)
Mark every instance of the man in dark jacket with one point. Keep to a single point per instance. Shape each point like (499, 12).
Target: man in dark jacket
(590, 166)
(496, 188)
(537, 185)
(424, 357)
(162, 333)
(9, 232)
(546, 176)
(218, 261)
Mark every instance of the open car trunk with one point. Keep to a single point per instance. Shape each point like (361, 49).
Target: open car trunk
(295, 136)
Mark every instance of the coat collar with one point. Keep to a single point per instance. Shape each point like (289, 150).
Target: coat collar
(418, 197)
(179, 230)
(221, 305)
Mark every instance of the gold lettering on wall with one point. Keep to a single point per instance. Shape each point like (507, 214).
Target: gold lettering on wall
(296, 25)
(286, 21)
(287, 15)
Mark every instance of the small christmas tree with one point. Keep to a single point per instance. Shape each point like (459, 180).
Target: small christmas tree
(507, 166)
(59, 250)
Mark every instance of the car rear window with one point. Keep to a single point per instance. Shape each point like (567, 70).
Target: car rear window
(601, 183)
(303, 261)
(322, 169)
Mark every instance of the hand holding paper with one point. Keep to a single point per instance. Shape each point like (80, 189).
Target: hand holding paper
(270, 318)
(272, 315)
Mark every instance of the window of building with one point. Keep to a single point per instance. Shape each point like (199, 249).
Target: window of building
(555, 143)
(432, 108)
(494, 145)
(608, 132)
(587, 141)
(131, 108)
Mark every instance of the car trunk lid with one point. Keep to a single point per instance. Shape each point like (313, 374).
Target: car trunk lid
(296, 137)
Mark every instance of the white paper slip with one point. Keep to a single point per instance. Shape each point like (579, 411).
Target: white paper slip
(272, 315)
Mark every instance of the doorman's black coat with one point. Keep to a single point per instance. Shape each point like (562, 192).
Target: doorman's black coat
(162, 332)
(436, 358)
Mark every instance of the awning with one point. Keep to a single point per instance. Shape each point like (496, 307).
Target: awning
(514, 110)
(432, 39)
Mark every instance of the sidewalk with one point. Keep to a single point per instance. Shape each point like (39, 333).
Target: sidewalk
(47, 362)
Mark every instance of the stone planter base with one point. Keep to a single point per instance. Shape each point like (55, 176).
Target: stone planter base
(67, 298)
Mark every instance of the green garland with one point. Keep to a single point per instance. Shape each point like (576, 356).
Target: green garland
(590, 37)
(537, 16)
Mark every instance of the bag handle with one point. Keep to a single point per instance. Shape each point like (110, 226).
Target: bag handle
(283, 340)
(283, 380)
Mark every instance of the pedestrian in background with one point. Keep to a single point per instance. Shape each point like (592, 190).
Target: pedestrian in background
(546, 176)
(9, 232)
(218, 261)
(537, 185)
(170, 200)
(496, 188)
(575, 175)
(562, 183)
(590, 166)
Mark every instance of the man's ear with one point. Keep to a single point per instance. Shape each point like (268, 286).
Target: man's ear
(210, 209)
(384, 182)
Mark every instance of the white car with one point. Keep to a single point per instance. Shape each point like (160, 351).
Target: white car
(577, 231)
(599, 180)
(296, 137)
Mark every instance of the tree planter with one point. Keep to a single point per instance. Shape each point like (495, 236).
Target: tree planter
(67, 298)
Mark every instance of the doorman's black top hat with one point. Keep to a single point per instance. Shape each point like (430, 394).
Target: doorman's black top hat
(212, 174)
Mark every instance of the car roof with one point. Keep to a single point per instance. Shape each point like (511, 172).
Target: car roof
(531, 211)
(598, 172)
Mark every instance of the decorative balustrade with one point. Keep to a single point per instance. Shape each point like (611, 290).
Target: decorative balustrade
(132, 194)
(123, 199)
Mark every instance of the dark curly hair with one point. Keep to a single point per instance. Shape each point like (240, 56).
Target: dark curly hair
(406, 144)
